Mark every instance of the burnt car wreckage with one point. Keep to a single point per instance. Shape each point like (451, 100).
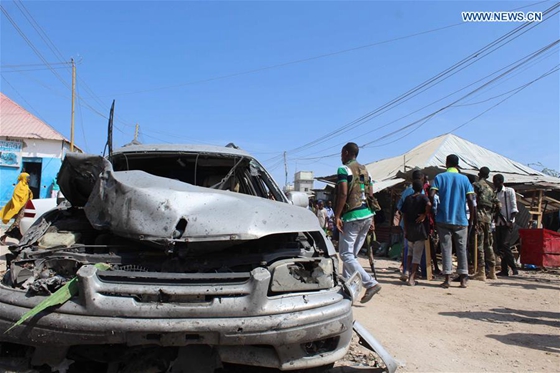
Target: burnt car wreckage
(205, 257)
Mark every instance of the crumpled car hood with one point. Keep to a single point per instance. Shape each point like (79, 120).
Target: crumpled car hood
(78, 175)
(141, 206)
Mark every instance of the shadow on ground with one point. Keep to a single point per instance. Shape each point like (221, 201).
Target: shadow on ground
(529, 283)
(508, 315)
(542, 342)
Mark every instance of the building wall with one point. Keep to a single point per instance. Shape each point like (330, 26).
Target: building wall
(303, 186)
(304, 175)
(303, 181)
(44, 155)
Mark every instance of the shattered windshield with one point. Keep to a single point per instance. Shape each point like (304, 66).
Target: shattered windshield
(212, 170)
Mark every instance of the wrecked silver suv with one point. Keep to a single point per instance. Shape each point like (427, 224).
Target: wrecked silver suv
(167, 254)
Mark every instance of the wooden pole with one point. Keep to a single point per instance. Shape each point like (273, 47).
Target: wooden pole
(73, 99)
(428, 259)
(475, 251)
(539, 209)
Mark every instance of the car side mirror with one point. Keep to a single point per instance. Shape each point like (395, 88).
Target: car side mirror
(298, 198)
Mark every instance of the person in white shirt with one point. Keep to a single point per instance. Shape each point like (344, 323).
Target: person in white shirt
(322, 215)
(504, 221)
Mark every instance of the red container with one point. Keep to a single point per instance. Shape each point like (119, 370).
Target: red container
(540, 247)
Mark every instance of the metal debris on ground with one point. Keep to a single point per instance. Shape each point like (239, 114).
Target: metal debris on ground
(359, 356)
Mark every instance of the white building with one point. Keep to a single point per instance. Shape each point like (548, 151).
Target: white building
(303, 182)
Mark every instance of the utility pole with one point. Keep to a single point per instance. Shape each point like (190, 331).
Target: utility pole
(73, 99)
(136, 132)
(285, 169)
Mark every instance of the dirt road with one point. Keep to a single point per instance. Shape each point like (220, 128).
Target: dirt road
(506, 325)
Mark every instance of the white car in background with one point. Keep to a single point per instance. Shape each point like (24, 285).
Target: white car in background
(35, 208)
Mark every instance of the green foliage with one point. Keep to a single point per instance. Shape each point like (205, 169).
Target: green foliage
(59, 297)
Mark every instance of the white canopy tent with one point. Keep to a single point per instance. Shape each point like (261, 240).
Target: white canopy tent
(432, 154)
(536, 190)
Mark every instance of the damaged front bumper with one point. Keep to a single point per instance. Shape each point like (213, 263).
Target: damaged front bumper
(283, 331)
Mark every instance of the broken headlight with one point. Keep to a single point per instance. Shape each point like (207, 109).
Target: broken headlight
(302, 275)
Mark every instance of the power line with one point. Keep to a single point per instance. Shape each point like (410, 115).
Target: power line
(44, 85)
(39, 29)
(485, 51)
(304, 59)
(420, 122)
(552, 53)
(476, 56)
(32, 46)
(16, 66)
(519, 89)
(19, 94)
(467, 95)
(522, 61)
(290, 62)
(53, 49)
(36, 69)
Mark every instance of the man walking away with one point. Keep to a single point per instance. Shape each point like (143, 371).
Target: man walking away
(455, 192)
(353, 216)
(504, 224)
(416, 209)
(486, 207)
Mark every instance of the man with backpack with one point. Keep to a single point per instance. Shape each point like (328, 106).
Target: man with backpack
(354, 216)
(487, 205)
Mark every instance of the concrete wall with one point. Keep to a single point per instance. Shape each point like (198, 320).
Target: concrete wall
(303, 185)
(46, 154)
(303, 181)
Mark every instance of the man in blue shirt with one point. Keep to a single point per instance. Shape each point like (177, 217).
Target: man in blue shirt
(455, 192)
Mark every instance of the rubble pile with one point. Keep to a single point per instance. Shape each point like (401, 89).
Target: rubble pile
(359, 356)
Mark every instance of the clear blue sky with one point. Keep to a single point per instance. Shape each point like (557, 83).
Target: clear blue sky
(159, 61)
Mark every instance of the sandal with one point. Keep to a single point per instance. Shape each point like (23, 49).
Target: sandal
(444, 285)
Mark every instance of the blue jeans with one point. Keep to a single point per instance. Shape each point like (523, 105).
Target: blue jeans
(349, 246)
(450, 235)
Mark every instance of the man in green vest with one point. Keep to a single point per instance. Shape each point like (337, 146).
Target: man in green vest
(353, 216)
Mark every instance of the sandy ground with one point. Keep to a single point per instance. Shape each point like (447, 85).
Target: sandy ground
(506, 325)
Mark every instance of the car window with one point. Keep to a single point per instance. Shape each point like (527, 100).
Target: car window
(235, 173)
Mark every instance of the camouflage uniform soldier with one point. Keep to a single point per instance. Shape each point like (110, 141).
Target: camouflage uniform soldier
(486, 206)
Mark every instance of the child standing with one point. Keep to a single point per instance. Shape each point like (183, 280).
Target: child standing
(416, 209)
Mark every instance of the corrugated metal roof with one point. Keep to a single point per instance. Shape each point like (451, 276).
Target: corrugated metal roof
(17, 122)
(431, 155)
(472, 157)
